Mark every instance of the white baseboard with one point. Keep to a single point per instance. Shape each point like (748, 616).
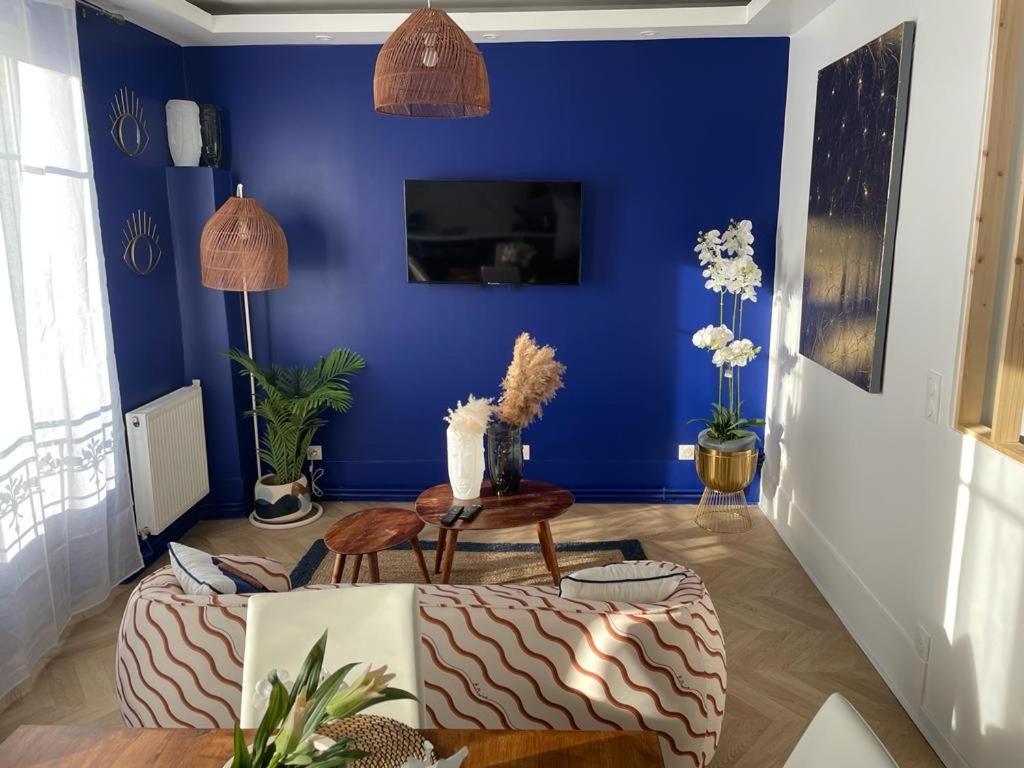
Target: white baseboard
(883, 640)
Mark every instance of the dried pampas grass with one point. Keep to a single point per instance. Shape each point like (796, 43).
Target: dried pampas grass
(471, 418)
(533, 378)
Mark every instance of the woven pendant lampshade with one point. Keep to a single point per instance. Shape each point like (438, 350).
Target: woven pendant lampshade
(430, 68)
(243, 248)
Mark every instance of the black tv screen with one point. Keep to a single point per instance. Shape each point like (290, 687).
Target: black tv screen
(517, 232)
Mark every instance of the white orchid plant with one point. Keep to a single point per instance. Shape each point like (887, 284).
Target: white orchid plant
(729, 270)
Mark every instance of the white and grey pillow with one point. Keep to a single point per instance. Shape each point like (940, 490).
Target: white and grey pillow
(197, 572)
(621, 583)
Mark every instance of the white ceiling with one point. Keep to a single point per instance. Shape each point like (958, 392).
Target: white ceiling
(377, 6)
(339, 22)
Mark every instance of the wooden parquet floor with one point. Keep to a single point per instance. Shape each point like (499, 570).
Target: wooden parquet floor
(787, 650)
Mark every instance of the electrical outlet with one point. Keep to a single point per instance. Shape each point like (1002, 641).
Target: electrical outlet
(315, 453)
(686, 453)
(933, 397)
(923, 643)
(526, 453)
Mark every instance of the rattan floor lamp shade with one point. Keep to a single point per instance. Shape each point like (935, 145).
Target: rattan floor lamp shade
(430, 68)
(243, 248)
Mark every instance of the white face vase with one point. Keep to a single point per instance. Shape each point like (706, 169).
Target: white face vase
(465, 464)
(183, 135)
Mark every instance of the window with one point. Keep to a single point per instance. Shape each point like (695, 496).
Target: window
(990, 403)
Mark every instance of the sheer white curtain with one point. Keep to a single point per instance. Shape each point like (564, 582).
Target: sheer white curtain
(67, 532)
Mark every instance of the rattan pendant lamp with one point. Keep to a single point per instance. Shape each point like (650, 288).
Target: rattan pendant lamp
(430, 68)
(243, 248)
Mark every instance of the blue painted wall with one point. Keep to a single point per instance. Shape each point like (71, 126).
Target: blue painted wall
(144, 311)
(668, 137)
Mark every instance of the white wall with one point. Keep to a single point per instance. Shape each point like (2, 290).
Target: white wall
(902, 522)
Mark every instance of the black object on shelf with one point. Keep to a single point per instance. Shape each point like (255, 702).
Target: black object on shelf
(209, 129)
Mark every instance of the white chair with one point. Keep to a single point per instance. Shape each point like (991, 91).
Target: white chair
(838, 737)
(377, 624)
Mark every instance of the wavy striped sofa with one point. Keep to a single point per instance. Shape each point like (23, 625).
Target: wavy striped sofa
(519, 657)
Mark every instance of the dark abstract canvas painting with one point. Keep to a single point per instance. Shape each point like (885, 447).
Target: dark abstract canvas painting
(859, 127)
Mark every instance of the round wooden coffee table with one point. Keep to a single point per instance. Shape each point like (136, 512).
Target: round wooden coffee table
(535, 504)
(370, 531)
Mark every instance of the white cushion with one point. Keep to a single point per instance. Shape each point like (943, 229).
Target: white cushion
(197, 573)
(839, 738)
(621, 583)
(376, 624)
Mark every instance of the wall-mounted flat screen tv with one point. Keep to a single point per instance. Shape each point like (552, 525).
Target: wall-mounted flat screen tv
(514, 232)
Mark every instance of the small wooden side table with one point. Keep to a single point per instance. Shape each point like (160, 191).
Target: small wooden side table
(370, 531)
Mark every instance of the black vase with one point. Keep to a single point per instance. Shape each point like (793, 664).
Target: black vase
(505, 457)
(209, 130)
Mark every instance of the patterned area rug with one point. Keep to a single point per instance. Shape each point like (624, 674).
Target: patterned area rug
(475, 562)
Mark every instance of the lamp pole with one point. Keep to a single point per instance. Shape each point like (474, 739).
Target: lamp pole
(252, 382)
(247, 322)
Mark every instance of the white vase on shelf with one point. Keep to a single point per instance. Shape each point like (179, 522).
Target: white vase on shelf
(465, 463)
(183, 134)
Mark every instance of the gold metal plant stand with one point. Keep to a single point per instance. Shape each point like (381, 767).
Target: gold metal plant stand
(720, 512)
(723, 505)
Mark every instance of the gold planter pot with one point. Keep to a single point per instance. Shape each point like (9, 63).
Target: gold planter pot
(726, 471)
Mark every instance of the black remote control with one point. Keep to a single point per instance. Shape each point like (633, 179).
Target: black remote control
(470, 512)
(453, 514)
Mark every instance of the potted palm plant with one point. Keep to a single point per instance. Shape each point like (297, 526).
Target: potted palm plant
(726, 450)
(292, 403)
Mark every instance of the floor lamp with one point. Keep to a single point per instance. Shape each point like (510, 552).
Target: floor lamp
(243, 248)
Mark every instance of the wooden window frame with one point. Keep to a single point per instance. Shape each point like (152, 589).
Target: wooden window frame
(988, 248)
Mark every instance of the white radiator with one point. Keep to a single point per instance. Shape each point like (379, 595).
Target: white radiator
(167, 450)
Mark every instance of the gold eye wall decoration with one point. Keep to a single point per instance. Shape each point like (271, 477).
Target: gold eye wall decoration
(128, 124)
(141, 243)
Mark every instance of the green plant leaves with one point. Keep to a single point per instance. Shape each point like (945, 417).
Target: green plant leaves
(388, 694)
(277, 708)
(727, 424)
(337, 755)
(323, 695)
(291, 404)
(309, 675)
(242, 758)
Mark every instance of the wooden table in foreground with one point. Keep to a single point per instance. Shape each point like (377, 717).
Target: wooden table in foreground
(99, 746)
(535, 504)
